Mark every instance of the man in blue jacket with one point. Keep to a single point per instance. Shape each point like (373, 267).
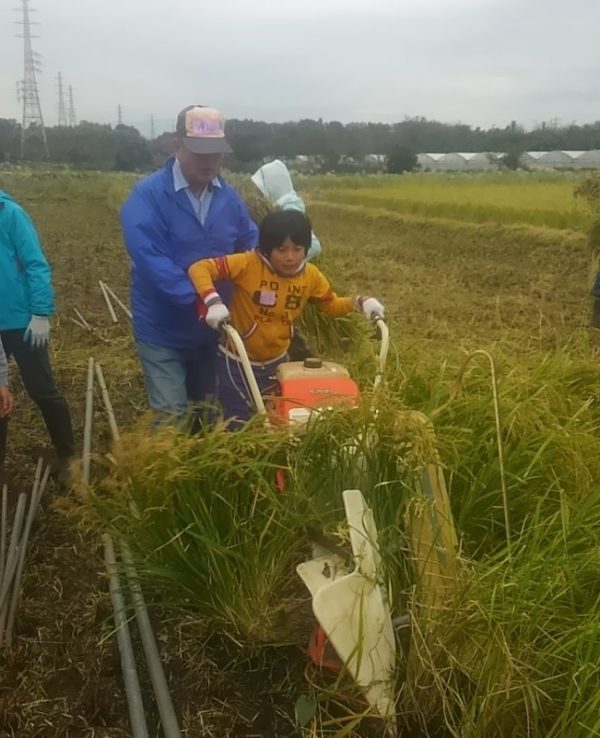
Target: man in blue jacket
(26, 304)
(181, 213)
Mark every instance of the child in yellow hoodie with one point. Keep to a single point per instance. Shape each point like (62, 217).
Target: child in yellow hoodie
(273, 283)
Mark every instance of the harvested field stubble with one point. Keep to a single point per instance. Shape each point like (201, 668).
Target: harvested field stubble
(453, 285)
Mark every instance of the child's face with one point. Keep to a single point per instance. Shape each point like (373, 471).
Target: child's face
(287, 258)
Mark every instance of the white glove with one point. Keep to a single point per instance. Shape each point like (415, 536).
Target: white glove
(371, 307)
(216, 315)
(38, 332)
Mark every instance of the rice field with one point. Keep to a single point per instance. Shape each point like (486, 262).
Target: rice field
(509, 197)
(513, 651)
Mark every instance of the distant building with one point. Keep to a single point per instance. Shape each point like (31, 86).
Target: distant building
(557, 160)
(588, 159)
(453, 162)
(532, 159)
(561, 159)
(479, 161)
(430, 162)
(376, 159)
(482, 161)
(487, 161)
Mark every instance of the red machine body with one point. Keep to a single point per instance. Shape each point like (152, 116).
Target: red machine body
(309, 385)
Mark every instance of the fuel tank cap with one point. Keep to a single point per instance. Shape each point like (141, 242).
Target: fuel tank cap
(312, 362)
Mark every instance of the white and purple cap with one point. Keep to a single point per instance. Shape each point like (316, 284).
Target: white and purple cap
(201, 130)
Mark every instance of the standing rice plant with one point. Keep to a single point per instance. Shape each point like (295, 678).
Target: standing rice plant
(541, 200)
(209, 535)
(518, 653)
(334, 337)
(382, 449)
(513, 651)
(213, 533)
(550, 422)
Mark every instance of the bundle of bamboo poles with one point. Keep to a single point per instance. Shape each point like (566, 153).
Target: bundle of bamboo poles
(166, 710)
(12, 558)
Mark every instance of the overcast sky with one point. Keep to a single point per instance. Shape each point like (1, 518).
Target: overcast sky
(482, 62)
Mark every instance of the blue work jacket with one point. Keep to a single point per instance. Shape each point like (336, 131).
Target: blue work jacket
(164, 237)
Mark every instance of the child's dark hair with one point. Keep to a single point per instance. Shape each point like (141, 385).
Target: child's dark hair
(282, 224)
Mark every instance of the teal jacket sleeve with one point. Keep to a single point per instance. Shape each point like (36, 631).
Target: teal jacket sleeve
(33, 263)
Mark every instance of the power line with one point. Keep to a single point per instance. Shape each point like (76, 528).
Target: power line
(119, 116)
(27, 90)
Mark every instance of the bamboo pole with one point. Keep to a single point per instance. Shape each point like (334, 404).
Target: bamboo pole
(36, 495)
(162, 695)
(137, 717)
(79, 323)
(87, 327)
(87, 426)
(164, 702)
(11, 558)
(130, 678)
(119, 302)
(82, 319)
(114, 429)
(109, 304)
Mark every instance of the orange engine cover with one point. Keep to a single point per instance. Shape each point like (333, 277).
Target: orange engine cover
(313, 384)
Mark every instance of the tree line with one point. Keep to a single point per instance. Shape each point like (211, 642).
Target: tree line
(333, 145)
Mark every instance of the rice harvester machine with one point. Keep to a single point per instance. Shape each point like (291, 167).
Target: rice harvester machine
(351, 603)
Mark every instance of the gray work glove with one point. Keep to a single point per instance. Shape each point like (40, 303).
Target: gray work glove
(37, 332)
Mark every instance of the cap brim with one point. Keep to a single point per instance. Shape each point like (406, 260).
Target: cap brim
(206, 145)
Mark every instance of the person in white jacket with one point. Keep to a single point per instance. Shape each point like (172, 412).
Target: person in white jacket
(275, 183)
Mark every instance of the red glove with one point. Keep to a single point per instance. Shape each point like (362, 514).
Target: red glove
(201, 308)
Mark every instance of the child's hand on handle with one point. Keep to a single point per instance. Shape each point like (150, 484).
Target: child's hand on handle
(216, 315)
(371, 307)
(211, 309)
(6, 401)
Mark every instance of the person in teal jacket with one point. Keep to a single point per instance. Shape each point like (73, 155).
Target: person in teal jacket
(26, 306)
